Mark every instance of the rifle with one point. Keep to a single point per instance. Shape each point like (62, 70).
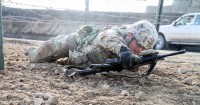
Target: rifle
(115, 65)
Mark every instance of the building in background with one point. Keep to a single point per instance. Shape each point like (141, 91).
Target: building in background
(178, 6)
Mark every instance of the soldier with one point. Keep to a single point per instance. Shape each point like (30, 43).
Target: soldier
(91, 45)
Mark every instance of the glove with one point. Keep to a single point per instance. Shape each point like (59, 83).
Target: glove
(127, 58)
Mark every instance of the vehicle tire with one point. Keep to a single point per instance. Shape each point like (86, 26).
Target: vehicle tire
(161, 43)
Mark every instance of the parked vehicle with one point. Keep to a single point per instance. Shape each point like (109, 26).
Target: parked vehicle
(183, 31)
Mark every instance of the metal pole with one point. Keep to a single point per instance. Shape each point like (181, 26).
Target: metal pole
(86, 11)
(158, 14)
(1, 42)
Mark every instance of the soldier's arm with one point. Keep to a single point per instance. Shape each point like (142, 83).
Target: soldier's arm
(111, 41)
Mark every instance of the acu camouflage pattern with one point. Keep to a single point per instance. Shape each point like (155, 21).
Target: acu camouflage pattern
(111, 39)
(145, 33)
(77, 58)
(85, 35)
(53, 49)
(91, 44)
(88, 44)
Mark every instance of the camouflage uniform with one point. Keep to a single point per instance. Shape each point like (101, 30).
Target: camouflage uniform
(88, 44)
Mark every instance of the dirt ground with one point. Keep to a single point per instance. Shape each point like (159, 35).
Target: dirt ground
(175, 81)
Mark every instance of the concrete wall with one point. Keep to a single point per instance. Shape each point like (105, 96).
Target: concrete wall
(178, 6)
(193, 9)
(153, 9)
(195, 3)
(45, 24)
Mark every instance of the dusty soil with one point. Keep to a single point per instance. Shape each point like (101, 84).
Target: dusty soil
(175, 81)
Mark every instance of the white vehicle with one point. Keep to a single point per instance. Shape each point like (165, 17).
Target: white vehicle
(183, 31)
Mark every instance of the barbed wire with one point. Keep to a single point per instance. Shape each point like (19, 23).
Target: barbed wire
(40, 19)
(31, 18)
(40, 15)
(113, 16)
(43, 15)
(131, 16)
(45, 7)
(61, 21)
(15, 3)
(14, 19)
(50, 21)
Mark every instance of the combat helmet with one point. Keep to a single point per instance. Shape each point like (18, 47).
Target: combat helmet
(144, 32)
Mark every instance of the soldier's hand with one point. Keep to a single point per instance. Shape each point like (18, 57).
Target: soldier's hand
(134, 59)
(127, 58)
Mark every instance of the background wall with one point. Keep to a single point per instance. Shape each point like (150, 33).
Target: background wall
(178, 6)
(46, 23)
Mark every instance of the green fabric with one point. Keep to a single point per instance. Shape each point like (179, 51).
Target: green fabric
(86, 35)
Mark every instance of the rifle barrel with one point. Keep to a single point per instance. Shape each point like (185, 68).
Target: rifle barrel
(171, 54)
